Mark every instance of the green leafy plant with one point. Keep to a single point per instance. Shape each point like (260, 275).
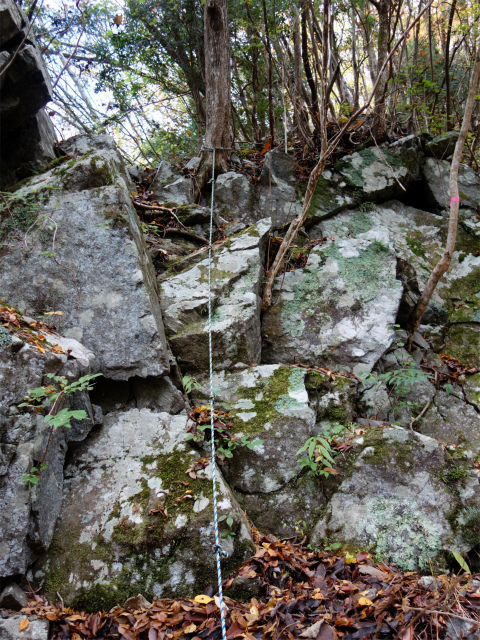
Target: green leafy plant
(319, 453)
(228, 519)
(399, 382)
(55, 394)
(189, 384)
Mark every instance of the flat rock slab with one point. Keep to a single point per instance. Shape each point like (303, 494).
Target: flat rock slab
(84, 255)
(237, 272)
(133, 521)
(337, 310)
(406, 499)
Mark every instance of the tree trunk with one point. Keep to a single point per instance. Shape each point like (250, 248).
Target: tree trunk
(217, 76)
(379, 128)
(444, 262)
(447, 67)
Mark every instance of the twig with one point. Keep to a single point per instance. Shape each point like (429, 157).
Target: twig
(446, 613)
(171, 211)
(422, 412)
(186, 234)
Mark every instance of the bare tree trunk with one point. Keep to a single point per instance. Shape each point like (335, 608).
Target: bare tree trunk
(444, 262)
(447, 66)
(379, 128)
(271, 117)
(217, 75)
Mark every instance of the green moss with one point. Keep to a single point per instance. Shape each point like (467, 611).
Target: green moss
(385, 453)
(57, 162)
(269, 397)
(415, 245)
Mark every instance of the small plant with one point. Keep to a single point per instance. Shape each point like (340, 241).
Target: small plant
(229, 521)
(58, 416)
(330, 546)
(320, 453)
(367, 206)
(189, 384)
(400, 382)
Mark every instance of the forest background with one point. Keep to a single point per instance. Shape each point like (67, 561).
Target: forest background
(136, 70)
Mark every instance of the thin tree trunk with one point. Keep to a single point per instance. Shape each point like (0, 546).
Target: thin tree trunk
(217, 74)
(379, 128)
(444, 262)
(271, 117)
(447, 66)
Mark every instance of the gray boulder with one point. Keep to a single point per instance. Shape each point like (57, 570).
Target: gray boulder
(12, 597)
(237, 273)
(376, 172)
(85, 256)
(406, 500)
(146, 517)
(36, 630)
(337, 310)
(437, 174)
(442, 146)
(27, 516)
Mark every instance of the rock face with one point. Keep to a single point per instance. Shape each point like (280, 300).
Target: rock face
(237, 270)
(142, 529)
(36, 630)
(27, 516)
(27, 137)
(337, 310)
(406, 499)
(136, 516)
(279, 407)
(85, 256)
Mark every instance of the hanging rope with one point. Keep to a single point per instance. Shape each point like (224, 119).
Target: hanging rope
(218, 549)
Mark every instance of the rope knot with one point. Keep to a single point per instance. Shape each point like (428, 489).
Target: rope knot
(218, 549)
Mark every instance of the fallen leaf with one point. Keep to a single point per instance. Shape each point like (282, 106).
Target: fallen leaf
(371, 571)
(190, 629)
(313, 631)
(364, 602)
(24, 624)
(203, 599)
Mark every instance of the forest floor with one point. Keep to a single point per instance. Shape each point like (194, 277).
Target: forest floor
(301, 593)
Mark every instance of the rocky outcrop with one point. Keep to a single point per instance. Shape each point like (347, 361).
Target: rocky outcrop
(146, 527)
(437, 174)
(237, 271)
(80, 250)
(27, 135)
(28, 515)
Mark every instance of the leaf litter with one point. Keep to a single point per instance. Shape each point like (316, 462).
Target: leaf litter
(312, 594)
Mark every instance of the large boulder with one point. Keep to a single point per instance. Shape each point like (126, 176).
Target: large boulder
(337, 310)
(27, 135)
(28, 515)
(406, 499)
(437, 177)
(278, 408)
(237, 271)
(138, 516)
(84, 255)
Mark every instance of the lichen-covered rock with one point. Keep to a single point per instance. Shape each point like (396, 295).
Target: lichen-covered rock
(437, 175)
(27, 516)
(271, 403)
(377, 172)
(237, 272)
(406, 500)
(84, 255)
(133, 521)
(337, 310)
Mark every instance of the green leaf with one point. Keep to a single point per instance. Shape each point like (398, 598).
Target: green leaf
(461, 562)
